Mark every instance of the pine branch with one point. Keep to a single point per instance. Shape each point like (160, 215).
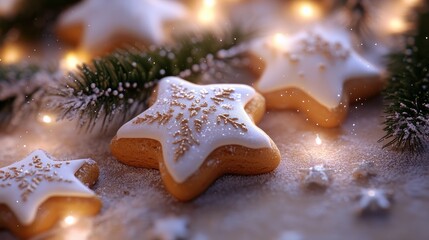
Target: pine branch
(120, 84)
(22, 88)
(407, 95)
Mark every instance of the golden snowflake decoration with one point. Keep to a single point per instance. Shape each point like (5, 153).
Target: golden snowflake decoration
(30, 177)
(197, 114)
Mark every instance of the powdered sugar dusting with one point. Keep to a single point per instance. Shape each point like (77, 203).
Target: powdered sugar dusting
(251, 207)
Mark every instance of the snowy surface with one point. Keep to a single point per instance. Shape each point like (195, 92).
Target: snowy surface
(270, 206)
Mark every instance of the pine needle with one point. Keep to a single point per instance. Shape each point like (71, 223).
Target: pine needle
(114, 88)
(407, 95)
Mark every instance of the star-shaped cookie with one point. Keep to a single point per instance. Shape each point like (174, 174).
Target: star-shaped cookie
(314, 71)
(37, 191)
(99, 24)
(194, 134)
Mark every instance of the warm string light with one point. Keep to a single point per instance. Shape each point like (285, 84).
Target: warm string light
(411, 3)
(72, 59)
(209, 3)
(69, 220)
(11, 54)
(395, 20)
(279, 41)
(46, 118)
(207, 12)
(397, 25)
(76, 228)
(306, 10)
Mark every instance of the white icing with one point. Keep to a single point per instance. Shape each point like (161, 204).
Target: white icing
(23, 190)
(213, 134)
(103, 20)
(316, 61)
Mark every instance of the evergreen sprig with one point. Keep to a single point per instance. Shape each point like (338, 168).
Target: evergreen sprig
(116, 87)
(407, 95)
(22, 88)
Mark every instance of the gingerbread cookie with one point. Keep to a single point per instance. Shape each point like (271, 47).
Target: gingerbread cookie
(37, 192)
(98, 27)
(316, 72)
(194, 134)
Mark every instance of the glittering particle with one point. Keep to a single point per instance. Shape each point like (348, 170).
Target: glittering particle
(373, 200)
(318, 140)
(69, 220)
(317, 175)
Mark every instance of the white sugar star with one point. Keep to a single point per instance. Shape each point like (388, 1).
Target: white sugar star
(317, 62)
(364, 170)
(26, 184)
(170, 228)
(318, 175)
(103, 20)
(372, 200)
(191, 121)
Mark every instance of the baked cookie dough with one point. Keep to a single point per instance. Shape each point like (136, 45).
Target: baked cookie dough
(97, 27)
(315, 72)
(37, 192)
(194, 134)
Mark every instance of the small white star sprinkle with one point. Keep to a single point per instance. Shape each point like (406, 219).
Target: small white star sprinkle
(170, 228)
(364, 170)
(317, 175)
(374, 200)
